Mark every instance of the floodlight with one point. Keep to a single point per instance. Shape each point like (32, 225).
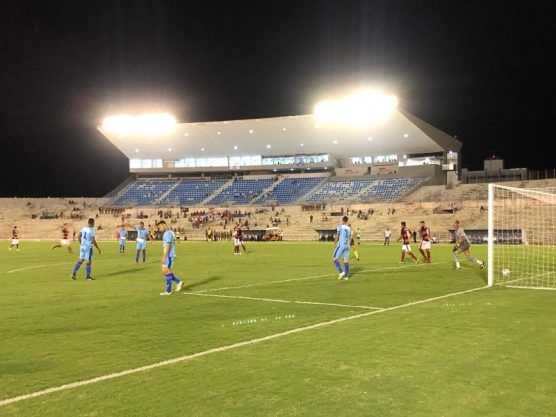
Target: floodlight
(368, 107)
(329, 111)
(359, 109)
(149, 124)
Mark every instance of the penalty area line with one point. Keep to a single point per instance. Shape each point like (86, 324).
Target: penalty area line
(233, 287)
(36, 267)
(272, 300)
(224, 348)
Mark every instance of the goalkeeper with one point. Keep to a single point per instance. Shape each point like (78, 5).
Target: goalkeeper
(463, 245)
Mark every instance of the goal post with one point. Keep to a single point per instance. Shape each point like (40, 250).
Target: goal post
(522, 237)
(490, 235)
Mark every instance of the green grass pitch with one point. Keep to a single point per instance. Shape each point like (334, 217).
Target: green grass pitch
(488, 352)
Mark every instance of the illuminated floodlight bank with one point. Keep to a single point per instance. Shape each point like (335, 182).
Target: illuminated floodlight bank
(359, 109)
(150, 124)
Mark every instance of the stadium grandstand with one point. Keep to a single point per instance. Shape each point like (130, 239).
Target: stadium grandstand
(293, 173)
(283, 160)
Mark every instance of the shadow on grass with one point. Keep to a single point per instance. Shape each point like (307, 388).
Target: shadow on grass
(202, 282)
(119, 272)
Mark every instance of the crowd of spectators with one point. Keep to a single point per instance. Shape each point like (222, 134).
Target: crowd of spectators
(217, 235)
(116, 211)
(313, 207)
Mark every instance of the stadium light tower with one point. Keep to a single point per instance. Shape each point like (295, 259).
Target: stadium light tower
(148, 124)
(361, 108)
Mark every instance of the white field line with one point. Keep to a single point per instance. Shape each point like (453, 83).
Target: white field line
(529, 288)
(223, 349)
(36, 267)
(264, 283)
(272, 300)
(306, 278)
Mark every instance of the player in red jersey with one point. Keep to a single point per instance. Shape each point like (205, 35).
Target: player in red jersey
(15, 239)
(65, 240)
(405, 236)
(425, 245)
(238, 240)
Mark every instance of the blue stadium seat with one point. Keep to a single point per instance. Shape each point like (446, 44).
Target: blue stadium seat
(390, 189)
(192, 191)
(339, 191)
(144, 192)
(241, 191)
(365, 190)
(291, 190)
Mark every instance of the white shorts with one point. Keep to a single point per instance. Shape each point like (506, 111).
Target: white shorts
(64, 242)
(406, 248)
(140, 240)
(15, 241)
(237, 241)
(425, 244)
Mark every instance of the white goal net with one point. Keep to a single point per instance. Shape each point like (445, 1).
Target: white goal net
(522, 237)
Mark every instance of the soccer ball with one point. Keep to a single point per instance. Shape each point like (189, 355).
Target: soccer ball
(505, 272)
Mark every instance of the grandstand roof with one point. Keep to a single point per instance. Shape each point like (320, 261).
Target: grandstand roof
(290, 135)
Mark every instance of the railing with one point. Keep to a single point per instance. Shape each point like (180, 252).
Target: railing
(543, 174)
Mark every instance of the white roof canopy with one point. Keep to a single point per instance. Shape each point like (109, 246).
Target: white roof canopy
(403, 133)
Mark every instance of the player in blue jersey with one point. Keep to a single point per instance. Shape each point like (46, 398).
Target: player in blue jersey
(168, 258)
(87, 239)
(142, 238)
(122, 237)
(343, 235)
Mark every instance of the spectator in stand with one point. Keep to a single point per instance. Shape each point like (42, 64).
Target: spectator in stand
(387, 234)
(311, 219)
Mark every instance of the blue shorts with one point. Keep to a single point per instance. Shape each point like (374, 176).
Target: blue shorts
(170, 261)
(122, 241)
(141, 245)
(341, 252)
(86, 253)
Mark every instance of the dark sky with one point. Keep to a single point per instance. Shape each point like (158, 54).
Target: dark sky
(481, 70)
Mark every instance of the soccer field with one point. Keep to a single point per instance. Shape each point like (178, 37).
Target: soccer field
(270, 333)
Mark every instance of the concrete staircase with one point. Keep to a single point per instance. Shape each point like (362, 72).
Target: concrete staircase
(313, 191)
(266, 191)
(216, 192)
(167, 193)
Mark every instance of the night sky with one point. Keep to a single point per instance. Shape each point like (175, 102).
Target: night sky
(481, 70)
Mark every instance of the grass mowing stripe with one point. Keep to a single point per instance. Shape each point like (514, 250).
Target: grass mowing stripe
(223, 349)
(272, 300)
(306, 278)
